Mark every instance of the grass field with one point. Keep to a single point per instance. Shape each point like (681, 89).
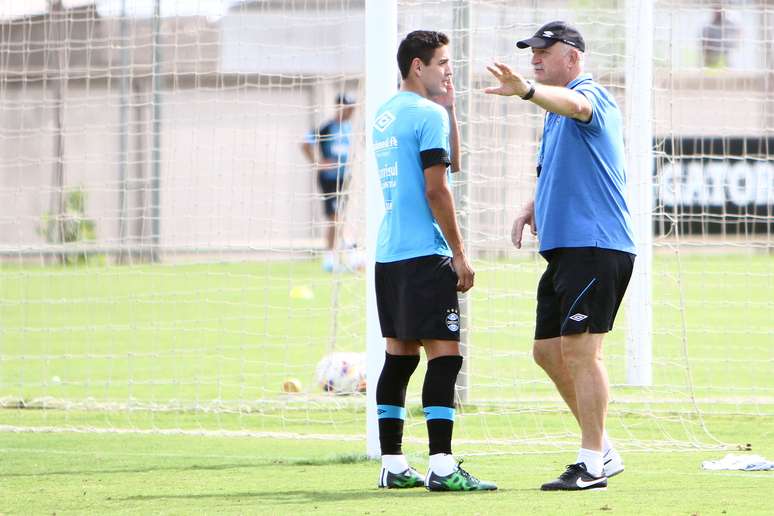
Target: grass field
(148, 474)
(200, 351)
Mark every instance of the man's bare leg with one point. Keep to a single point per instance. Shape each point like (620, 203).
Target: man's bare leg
(582, 355)
(548, 355)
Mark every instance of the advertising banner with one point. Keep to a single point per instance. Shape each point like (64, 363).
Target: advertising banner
(714, 185)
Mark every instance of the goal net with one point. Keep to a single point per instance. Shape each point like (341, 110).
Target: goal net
(164, 262)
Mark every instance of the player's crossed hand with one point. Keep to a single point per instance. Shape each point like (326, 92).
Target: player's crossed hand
(447, 99)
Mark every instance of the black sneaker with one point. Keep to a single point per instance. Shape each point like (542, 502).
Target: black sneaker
(459, 480)
(409, 478)
(576, 478)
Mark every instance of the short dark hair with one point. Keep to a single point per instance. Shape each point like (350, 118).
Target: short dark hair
(421, 44)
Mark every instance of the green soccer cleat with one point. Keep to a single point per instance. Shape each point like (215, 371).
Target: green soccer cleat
(460, 480)
(409, 478)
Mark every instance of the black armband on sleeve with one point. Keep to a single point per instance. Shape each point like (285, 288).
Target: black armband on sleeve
(433, 157)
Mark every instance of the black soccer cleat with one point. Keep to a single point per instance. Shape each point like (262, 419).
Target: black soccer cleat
(576, 478)
(409, 478)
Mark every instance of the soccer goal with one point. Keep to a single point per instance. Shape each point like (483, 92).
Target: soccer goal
(165, 258)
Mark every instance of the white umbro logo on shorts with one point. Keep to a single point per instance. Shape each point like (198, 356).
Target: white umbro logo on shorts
(578, 317)
(384, 121)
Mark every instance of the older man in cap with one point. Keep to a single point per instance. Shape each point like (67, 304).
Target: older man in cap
(580, 216)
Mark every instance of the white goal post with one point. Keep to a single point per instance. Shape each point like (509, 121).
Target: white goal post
(381, 43)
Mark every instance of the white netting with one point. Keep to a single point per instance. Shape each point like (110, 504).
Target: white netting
(162, 233)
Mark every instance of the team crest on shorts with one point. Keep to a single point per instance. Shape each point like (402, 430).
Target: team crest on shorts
(453, 319)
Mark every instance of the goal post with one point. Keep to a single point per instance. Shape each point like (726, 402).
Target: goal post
(639, 170)
(381, 43)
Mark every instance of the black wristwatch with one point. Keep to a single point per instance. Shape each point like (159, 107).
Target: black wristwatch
(531, 91)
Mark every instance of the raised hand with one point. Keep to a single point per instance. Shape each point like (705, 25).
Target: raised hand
(511, 83)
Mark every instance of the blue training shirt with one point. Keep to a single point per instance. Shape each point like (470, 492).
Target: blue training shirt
(333, 139)
(406, 125)
(580, 198)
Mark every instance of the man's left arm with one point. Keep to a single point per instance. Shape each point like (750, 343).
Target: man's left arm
(563, 101)
(556, 99)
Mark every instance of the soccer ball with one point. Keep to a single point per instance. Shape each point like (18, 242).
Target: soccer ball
(342, 373)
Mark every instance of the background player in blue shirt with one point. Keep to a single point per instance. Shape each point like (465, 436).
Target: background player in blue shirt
(582, 221)
(420, 262)
(332, 142)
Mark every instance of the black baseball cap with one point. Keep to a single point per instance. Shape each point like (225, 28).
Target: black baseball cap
(552, 32)
(345, 99)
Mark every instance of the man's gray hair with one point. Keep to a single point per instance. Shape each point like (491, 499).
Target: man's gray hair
(567, 49)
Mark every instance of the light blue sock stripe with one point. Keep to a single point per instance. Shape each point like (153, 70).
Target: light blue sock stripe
(439, 413)
(391, 412)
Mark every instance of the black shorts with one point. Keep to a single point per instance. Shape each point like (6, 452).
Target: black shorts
(417, 299)
(581, 290)
(331, 188)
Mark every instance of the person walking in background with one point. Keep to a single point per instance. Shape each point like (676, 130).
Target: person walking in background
(332, 143)
(718, 39)
(581, 219)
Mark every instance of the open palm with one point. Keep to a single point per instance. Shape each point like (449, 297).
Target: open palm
(511, 83)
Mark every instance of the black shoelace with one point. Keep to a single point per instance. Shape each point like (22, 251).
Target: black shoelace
(572, 469)
(465, 473)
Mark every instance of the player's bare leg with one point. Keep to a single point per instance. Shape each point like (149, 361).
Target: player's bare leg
(329, 260)
(548, 355)
(582, 354)
(330, 233)
(583, 357)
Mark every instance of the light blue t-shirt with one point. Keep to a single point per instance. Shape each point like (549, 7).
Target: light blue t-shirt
(406, 125)
(580, 200)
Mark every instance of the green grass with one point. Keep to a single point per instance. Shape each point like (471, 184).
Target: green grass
(176, 474)
(211, 344)
(194, 333)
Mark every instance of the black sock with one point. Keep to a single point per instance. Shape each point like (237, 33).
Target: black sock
(391, 400)
(438, 401)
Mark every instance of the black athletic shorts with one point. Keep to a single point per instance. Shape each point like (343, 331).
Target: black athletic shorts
(331, 188)
(581, 290)
(417, 299)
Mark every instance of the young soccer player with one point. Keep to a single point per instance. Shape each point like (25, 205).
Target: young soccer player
(420, 262)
